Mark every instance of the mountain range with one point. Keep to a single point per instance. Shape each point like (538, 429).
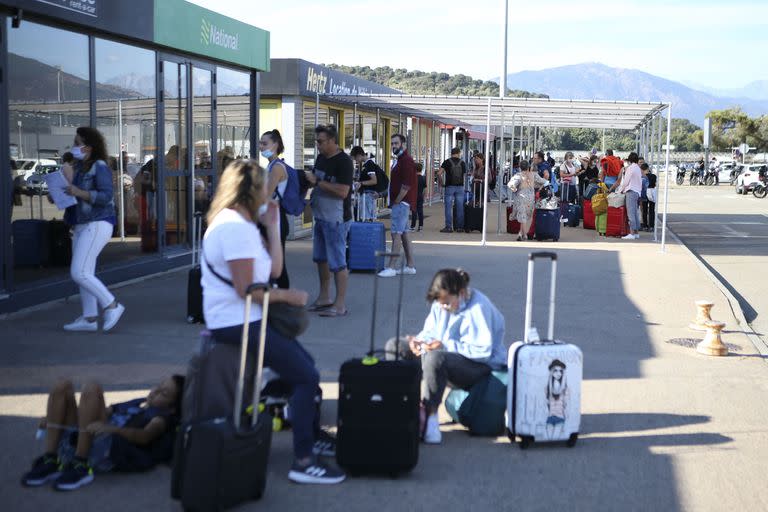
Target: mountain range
(598, 81)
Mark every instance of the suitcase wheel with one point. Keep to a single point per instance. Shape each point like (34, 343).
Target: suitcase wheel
(555, 239)
(571, 442)
(525, 442)
(190, 319)
(511, 436)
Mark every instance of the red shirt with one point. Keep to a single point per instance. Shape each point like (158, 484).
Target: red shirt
(404, 173)
(612, 165)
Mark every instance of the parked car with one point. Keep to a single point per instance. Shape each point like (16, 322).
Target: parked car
(748, 177)
(27, 167)
(724, 171)
(36, 182)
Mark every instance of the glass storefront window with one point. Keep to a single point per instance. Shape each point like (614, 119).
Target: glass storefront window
(176, 158)
(309, 131)
(126, 115)
(48, 96)
(202, 131)
(233, 116)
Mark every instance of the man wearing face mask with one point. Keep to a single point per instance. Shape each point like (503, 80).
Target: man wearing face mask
(402, 200)
(93, 218)
(461, 342)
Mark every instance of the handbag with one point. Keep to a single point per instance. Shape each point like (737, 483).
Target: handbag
(289, 320)
(600, 200)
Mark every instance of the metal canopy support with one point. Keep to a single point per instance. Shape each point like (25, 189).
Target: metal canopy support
(657, 163)
(485, 181)
(666, 182)
(354, 126)
(500, 171)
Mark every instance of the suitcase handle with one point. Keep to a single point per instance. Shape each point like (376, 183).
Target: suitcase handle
(244, 352)
(197, 238)
(385, 254)
(532, 257)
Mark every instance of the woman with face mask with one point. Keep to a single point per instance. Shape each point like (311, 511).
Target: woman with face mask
(461, 342)
(93, 220)
(271, 147)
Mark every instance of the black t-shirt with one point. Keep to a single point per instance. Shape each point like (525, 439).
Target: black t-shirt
(450, 180)
(338, 169)
(369, 168)
(590, 173)
(651, 180)
(422, 184)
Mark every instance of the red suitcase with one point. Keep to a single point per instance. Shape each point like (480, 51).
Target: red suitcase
(589, 215)
(617, 222)
(513, 227)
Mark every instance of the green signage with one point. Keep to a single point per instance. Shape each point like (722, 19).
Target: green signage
(188, 27)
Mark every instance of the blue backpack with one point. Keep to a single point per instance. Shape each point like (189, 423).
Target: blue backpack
(292, 200)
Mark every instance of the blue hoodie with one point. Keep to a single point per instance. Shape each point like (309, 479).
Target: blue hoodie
(475, 331)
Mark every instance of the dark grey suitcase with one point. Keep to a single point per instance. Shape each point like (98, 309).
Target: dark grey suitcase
(31, 242)
(219, 463)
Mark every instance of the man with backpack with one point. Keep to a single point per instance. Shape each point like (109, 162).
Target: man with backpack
(372, 182)
(452, 173)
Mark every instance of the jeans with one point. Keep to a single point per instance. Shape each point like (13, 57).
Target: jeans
(87, 242)
(329, 244)
(296, 367)
(633, 212)
(399, 216)
(418, 214)
(454, 194)
(368, 212)
(441, 369)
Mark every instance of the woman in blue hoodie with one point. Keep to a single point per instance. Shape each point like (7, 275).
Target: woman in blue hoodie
(461, 342)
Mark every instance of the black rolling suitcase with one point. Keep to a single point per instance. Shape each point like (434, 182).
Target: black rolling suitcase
(474, 210)
(378, 409)
(194, 286)
(219, 463)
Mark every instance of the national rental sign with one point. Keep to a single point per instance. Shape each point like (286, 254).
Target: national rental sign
(186, 26)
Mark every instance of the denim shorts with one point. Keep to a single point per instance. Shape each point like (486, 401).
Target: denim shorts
(400, 213)
(555, 420)
(330, 244)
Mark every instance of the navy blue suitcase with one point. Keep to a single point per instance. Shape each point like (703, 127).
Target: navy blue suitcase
(365, 238)
(547, 224)
(31, 242)
(573, 215)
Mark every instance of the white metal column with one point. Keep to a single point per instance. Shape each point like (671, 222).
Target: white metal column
(666, 182)
(485, 182)
(500, 170)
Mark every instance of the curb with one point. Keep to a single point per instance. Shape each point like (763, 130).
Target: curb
(733, 303)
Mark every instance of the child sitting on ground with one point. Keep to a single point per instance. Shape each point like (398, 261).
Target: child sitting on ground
(127, 436)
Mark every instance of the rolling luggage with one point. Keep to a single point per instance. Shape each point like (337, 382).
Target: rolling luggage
(365, 239)
(573, 215)
(194, 286)
(31, 242)
(589, 215)
(544, 394)
(547, 224)
(513, 227)
(474, 210)
(218, 462)
(617, 223)
(60, 243)
(378, 408)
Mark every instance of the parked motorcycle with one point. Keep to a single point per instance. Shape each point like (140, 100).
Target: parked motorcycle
(760, 189)
(711, 178)
(680, 178)
(696, 178)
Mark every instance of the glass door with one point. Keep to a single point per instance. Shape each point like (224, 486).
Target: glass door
(202, 135)
(175, 151)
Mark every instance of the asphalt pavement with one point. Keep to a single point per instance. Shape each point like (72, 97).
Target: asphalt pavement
(663, 428)
(729, 233)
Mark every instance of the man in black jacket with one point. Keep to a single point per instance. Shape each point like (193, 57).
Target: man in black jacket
(452, 173)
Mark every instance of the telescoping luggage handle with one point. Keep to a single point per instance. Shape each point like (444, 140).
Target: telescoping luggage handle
(244, 352)
(529, 294)
(385, 254)
(197, 238)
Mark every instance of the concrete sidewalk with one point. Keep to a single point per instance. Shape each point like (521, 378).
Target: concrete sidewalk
(663, 428)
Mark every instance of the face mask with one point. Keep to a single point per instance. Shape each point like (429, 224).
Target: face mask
(267, 153)
(398, 152)
(263, 209)
(77, 152)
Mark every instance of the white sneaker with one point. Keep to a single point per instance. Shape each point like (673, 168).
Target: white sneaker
(112, 315)
(432, 434)
(388, 272)
(637, 236)
(409, 271)
(629, 237)
(81, 324)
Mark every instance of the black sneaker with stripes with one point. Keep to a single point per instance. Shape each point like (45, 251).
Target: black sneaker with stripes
(315, 473)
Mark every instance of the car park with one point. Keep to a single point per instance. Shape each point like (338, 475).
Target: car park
(748, 176)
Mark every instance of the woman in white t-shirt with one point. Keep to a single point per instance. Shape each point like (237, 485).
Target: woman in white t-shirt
(236, 254)
(271, 147)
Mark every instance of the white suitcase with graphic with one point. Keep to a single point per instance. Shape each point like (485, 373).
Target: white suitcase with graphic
(544, 391)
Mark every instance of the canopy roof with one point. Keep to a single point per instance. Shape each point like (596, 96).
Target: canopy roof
(543, 112)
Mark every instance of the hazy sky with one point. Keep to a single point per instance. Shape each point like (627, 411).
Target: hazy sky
(717, 43)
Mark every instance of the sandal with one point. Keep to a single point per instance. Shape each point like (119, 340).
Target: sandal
(319, 307)
(333, 313)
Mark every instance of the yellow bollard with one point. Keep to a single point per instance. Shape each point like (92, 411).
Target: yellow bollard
(703, 307)
(712, 344)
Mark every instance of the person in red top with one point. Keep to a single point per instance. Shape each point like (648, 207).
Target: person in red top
(402, 200)
(610, 167)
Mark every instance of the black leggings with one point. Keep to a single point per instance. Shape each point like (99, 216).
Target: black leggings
(282, 281)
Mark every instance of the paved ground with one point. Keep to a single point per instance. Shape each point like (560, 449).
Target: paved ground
(662, 429)
(729, 232)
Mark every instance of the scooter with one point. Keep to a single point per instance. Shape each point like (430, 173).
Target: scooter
(760, 190)
(680, 178)
(711, 178)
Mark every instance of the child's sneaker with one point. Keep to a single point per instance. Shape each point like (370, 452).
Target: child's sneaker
(75, 475)
(315, 473)
(432, 434)
(46, 468)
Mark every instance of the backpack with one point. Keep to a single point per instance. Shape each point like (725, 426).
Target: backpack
(600, 200)
(382, 180)
(456, 174)
(292, 200)
(482, 408)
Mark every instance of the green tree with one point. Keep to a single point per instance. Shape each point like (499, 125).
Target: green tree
(732, 127)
